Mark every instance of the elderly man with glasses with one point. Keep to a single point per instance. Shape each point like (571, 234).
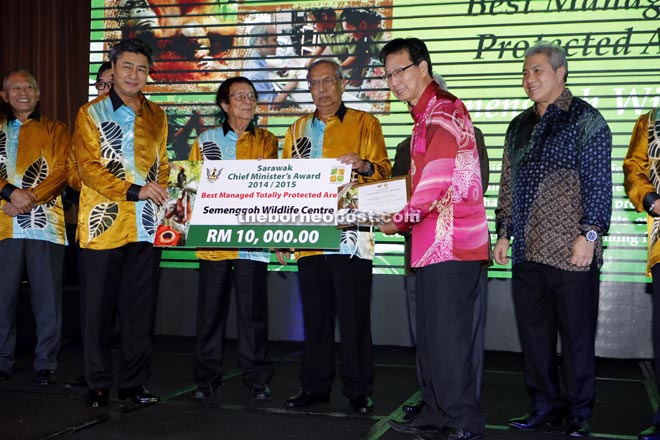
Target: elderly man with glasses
(337, 282)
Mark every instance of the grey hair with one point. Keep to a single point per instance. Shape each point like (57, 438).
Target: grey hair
(334, 64)
(258, 32)
(556, 55)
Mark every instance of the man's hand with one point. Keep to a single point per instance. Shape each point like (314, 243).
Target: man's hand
(500, 250)
(355, 161)
(23, 200)
(11, 210)
(282, 256)
(155, 192)
(583, 252)
(388, 228)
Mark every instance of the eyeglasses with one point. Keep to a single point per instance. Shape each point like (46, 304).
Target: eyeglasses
(328, 81)
(396, 72)
(102, 85)
(242, 96)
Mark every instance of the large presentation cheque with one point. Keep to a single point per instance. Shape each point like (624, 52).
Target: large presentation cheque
(289, 203)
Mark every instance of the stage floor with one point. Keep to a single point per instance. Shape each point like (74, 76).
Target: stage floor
(625, 400)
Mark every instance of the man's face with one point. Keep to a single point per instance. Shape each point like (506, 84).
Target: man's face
(542, 84)
(21, 93)
(105, 81)
(269, 44)
(242, 104)
(406, 81)
(129, 74)
(326, 88)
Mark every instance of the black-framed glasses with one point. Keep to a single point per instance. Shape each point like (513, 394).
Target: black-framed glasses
(396, 72)
(242, 96)
(102, 85)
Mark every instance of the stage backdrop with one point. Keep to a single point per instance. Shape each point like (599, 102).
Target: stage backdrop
(613, 51)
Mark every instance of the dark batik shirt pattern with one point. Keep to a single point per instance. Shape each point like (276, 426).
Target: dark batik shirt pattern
(556, 182)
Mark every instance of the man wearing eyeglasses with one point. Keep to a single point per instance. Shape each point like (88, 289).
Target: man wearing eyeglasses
(449, 243)
(33, 173)
(337, 283)
(104, 78)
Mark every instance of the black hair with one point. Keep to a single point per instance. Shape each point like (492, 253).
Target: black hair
(416, 49)
(132, 45)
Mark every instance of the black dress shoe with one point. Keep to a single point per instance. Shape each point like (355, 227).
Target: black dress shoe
(536, 421)
(46, 377)
(305, 398)
(651, 433)
(138, 394)
(414, 426)
(208, 389)
(4, 377)
(362, 404)
(261, 393)
(413, 408)
(460, 434)
(578, 426)
(98, 397)
(79, 381)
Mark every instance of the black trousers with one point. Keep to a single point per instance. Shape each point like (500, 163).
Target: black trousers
(548, 300)
(655, 273)
(446, 295)
(336, 285)
(125, 278)
(215, 280)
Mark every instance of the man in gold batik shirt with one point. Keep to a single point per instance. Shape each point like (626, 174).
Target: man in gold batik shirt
(120, 148)
(337, 282)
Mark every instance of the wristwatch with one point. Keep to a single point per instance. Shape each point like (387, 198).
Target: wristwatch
(590, 235)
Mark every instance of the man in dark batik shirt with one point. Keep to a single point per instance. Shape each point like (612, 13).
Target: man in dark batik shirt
(555, 201)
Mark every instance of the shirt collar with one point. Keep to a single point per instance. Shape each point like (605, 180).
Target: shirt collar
(341, 112)
(226, 128)
(36, 114)
(118, 102)
(563, 101)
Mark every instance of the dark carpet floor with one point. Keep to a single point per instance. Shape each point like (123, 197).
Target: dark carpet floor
(625, 401)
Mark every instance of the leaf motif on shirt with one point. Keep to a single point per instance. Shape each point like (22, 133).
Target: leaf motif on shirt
(117, 169)
(111, 139)
(211, 151)
(150, 217)
(35, 173)
(3, 155)
(101, 218)
(302, 148)
(349, 238)
(35, 219)
(152, 174)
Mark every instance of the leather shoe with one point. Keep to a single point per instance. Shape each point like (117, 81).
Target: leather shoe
(98, 397)
(362, 404)
(651, 433)
(413, 426)
(460, 434)
(305, 398)
(413, 408)
(207, 390)
(261, 393)
(46, 377)
(4, 377)
(578, 426)
(536, 421)
(138, 394)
